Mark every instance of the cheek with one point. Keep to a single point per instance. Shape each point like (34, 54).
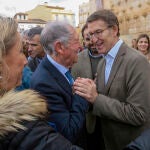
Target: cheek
(75, 56)
(13, 80)
(17, 68)
(138, 45)
(17, 72)
(146, 44)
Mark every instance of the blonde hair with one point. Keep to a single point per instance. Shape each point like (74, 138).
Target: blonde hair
(8, 36)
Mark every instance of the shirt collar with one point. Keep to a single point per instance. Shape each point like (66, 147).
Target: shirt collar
(114, 50)
(61, 68)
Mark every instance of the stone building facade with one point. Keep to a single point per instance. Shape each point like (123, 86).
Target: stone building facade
(133, 15)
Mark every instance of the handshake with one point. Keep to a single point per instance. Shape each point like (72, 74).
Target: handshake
(85, 88)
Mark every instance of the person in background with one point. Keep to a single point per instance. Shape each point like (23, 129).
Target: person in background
(22, 114)
(86, 67)
(25, 43)
(53, 80)
(143, 45)
(35, 50)
(121, 96)
(134, 44)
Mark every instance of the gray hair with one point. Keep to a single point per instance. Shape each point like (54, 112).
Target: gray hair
(55, 31)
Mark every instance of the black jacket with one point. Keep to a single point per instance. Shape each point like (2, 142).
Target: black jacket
(140, 143)
(22, 126)
(33, 63)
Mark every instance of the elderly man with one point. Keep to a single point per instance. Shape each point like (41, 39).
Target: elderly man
(53, 80)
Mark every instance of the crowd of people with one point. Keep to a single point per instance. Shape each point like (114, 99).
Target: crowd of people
(55, 96)
(23, 114)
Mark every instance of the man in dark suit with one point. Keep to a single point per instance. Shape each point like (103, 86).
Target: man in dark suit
(121, 96)
(67, 110)
(35, 49)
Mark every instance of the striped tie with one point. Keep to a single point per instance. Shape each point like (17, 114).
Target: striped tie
(69, 77)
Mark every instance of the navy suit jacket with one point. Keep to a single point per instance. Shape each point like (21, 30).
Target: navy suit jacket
(67, 110)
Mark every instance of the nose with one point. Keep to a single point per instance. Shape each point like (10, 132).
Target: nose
(29, 50)
(30, 47)
(91, 42)
(93, 39)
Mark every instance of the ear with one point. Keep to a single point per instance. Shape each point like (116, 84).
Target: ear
(58, 47)
(115, 30)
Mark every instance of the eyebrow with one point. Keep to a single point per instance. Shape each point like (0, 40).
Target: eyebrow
(33, 44)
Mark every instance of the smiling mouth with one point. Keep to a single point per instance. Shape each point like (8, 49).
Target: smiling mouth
(99, 45)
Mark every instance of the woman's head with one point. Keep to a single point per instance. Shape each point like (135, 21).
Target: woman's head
(143, 43)
(12, 60)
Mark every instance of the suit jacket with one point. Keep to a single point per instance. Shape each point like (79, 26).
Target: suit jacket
(33, 63)
(67, 109)
(124, 102)
(83, 69)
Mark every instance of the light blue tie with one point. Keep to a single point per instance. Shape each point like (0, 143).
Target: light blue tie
(69, 77)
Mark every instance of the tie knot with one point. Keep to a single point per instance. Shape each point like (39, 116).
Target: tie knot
(69, 77)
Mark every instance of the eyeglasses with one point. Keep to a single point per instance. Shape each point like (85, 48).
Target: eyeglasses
(98, 33)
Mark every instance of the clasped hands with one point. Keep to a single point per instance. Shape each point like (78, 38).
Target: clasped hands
(86, 88)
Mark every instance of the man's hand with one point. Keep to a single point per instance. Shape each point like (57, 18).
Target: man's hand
(86, 88)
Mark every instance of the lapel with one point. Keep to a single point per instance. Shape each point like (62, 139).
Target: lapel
(86, 63)
(116, 65)
(56, 75)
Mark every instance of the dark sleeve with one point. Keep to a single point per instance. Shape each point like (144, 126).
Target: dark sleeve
(67, 110)
(40, 136)
(140, 143)
(32, 64)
